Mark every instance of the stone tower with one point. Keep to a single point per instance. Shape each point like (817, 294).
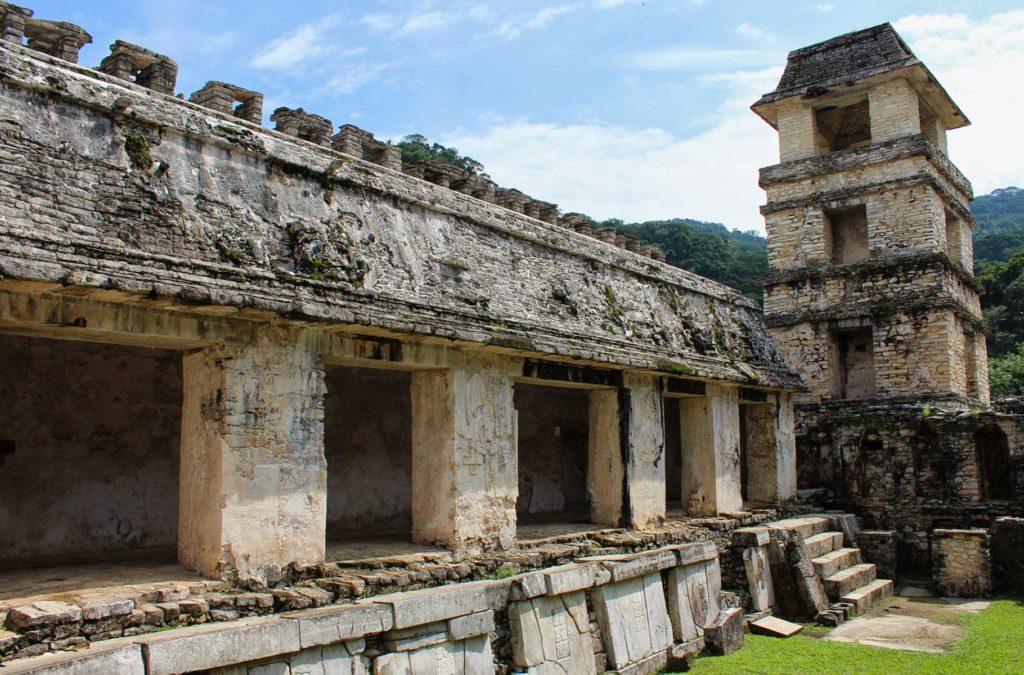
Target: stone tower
(870, 294)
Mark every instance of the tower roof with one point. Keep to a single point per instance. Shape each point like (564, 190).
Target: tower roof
(819, 68)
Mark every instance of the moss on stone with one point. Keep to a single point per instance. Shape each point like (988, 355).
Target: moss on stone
(137, 148)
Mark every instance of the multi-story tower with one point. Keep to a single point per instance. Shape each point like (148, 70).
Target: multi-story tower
(872, 300)
(871, 293)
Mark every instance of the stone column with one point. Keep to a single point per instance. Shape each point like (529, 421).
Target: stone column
(606, 473)
(893, 110)
(642, 415)
(710, 439)
(464, 464)
(253, 475)
(771, 450)
(796, 132)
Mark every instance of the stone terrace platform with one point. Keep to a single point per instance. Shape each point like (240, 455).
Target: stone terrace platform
(59, 607)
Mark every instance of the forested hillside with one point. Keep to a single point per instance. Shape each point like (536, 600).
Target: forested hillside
(1000, 232)
(736, 258)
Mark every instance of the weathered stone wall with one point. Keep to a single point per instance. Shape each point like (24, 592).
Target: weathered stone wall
(368, 448)
(914, 351)
(911, 467)
(962, 562)
(552, 449)
(91, 436)
(909, 220)
(596, 613)
(154, 195)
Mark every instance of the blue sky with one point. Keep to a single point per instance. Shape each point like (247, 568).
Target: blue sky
(617, 108)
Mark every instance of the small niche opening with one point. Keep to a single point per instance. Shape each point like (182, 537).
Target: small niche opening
(847, 233)
(843, 127)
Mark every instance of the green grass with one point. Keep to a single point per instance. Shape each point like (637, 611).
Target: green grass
(994, 643)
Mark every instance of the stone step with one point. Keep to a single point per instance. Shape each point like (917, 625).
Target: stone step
(836, 561)
(870, 595)
(826, 542)
(807, 526)
(841, 583)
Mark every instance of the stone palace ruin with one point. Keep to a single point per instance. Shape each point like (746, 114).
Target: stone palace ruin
(320, 411)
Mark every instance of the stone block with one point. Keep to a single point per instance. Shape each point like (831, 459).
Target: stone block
(725, 635)
(528, 586)
(775, 627)
(750, 536)
(275, 668)
(696, 552)
(326, 660)
(417, 637)
(569, 578)
(622, 567)
(552, 633)
(471, 625)
(634, 619)
(121, 656)
(328, 625)
(43, 613)
(447, 602)
(214, 645)
(759, 578)
(104, 609)
(682, 656)
(467, 657)
(692, 602)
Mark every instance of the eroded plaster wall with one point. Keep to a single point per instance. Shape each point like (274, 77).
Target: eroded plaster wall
(552, 449)
(95, 432)
(368, 447)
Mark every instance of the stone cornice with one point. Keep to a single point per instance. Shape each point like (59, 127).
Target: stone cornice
(872, 267)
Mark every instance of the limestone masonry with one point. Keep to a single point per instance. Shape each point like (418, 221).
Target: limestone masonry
(318, 410)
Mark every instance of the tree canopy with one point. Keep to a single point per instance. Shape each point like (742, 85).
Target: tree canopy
(417, 149)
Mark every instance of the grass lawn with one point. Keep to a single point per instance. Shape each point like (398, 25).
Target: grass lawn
(994, 643)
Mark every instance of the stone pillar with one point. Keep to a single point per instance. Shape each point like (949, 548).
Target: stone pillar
(606, 473)
(710, 439)
(936, 131)
(796, 132)
(253, 477)
(894, 111)
(771, 450)
(642, 416)
(464, 464)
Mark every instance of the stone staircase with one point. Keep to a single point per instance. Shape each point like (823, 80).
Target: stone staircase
(852, 585)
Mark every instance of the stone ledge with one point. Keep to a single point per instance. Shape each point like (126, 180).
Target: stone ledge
(216, 645)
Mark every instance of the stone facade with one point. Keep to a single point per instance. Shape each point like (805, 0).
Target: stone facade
(277, 271)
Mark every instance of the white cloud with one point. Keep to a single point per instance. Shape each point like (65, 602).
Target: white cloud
(353, 77)
(825, 8)
(637, 174)
(306, 42)
(749, 30)
(979, 62)
(415, 22)
(512, 29)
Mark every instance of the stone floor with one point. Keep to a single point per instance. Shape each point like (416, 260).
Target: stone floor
(915, 620)
(129, 571)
